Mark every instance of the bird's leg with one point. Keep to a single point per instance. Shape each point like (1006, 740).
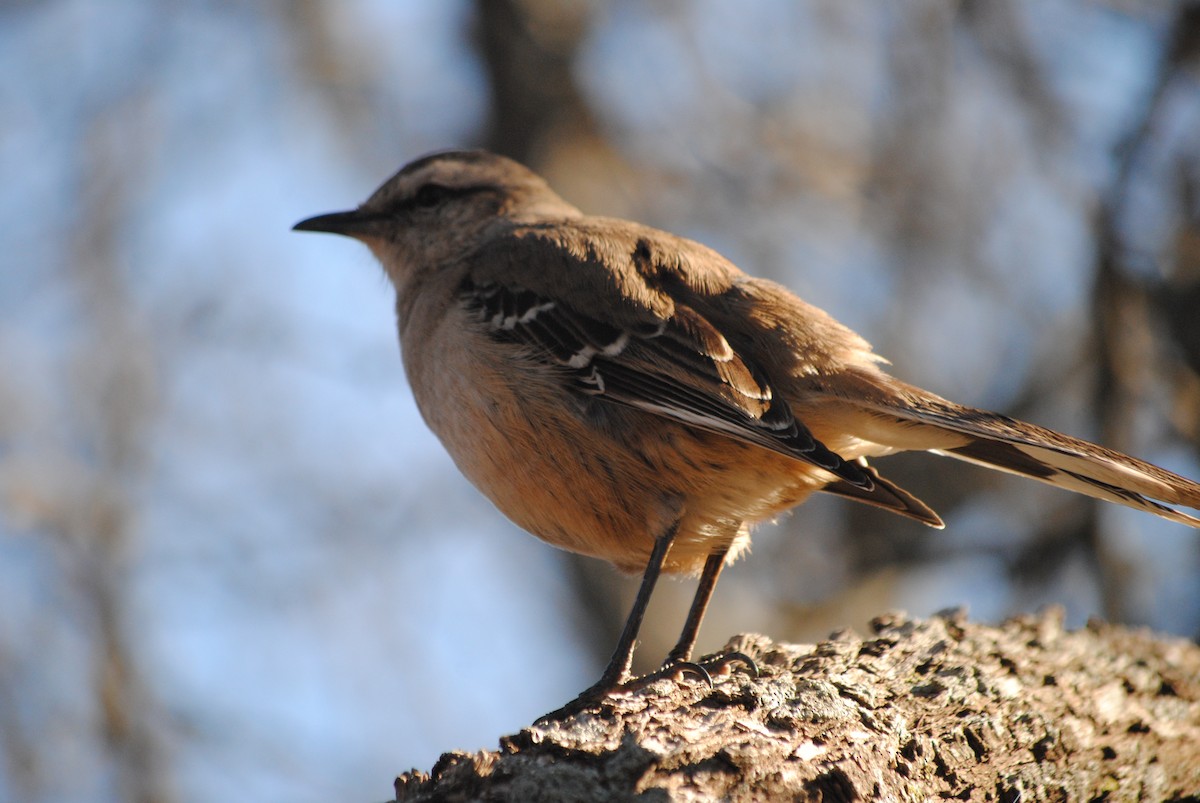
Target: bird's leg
(617, 671)
(681, 655)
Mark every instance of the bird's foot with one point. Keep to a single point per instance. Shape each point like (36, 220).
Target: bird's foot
(680, 669)
(714, 665)
(590, 697)
(723, 664)
(596, 694)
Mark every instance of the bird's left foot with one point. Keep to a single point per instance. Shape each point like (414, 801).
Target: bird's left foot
(588, 698)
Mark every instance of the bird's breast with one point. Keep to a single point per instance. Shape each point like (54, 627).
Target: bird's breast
(524, 439)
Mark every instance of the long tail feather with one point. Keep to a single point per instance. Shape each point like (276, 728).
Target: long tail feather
(920, 420)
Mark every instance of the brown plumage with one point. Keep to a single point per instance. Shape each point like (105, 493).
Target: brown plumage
(628, 394)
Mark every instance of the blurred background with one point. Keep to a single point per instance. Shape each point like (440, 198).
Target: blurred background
(233, 562)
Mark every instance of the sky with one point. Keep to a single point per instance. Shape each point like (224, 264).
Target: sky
(210, 461)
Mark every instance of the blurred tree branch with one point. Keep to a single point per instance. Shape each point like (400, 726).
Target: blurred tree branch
(1137, 311)
(528, 48)
(114, 392)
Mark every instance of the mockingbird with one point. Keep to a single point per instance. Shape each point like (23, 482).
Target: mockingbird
(628, 394)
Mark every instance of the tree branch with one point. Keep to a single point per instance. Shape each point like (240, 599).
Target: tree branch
(937, 708)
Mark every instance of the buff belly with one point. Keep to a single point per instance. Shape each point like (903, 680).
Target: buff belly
(602, 480)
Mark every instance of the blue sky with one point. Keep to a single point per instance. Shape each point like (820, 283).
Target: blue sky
(313, 598)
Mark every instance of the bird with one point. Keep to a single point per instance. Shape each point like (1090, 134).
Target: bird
(628, 394)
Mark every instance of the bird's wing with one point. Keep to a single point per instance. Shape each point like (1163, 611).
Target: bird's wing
(678, 367)
(886, 495)
(647, 349)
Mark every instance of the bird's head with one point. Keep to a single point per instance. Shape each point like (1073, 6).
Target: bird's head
(439, 208)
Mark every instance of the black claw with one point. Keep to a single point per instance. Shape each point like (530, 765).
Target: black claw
(690, 666)
(721, 661)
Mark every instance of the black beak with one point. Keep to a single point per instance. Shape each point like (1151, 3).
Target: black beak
(354, 223)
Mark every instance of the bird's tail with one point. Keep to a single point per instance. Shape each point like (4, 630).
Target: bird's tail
(909, 418)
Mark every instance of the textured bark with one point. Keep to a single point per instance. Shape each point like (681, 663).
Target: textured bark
(925, 709)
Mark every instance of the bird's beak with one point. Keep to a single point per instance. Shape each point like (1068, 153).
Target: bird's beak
(355, 223)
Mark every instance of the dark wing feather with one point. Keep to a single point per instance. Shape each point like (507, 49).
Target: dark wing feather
(887, 495)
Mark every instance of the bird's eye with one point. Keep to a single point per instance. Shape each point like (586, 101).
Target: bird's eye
(431, 195)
